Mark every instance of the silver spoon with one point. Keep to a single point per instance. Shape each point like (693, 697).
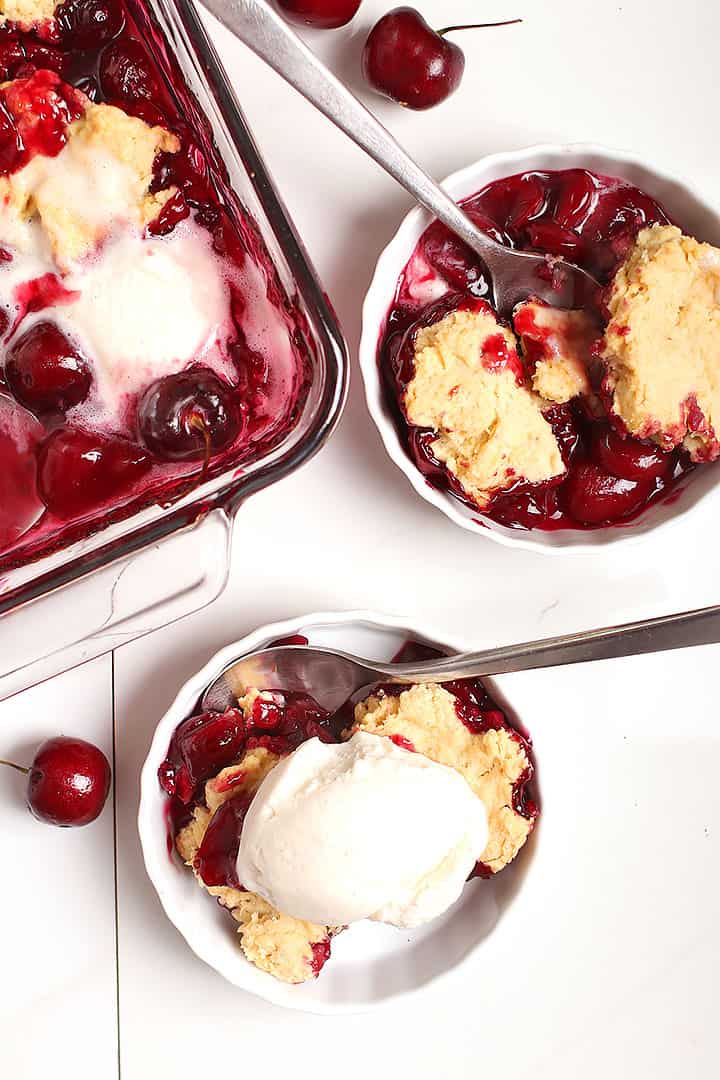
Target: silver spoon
(515, 275)
(333, 677)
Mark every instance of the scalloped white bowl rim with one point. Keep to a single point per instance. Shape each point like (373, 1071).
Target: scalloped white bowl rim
(693, 208)
(199, 927)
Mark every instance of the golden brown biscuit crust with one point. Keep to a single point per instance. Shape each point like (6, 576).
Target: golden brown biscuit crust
(490, 427)
(662, 344)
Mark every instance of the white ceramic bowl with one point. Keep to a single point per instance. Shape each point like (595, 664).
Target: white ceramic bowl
(695, 212)
(370, 963)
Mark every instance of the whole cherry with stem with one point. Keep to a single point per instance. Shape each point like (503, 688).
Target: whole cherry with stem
(190, 414)
(408, 61)
(68, 781)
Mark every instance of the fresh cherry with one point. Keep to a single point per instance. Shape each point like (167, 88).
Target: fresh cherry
(79, 469)
(408, 61)
(188, 415)
(322, 14)
(68, 781)
(85, 24)
(45, 371)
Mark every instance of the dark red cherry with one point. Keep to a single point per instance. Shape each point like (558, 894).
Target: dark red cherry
(201, 746)
(125, 75)
(595, 497)
(78, 469)
(45, 371)
(20, 506)
(68, 781)
(447, 254)
(323, 14)
(216, 860)
(553, 239)
(513, 202)
(187, 415)
(86, 24)
(408, 61)
(629, 458)
(576, 198)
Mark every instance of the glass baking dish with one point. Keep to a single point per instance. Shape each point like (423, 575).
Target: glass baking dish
(138, 574)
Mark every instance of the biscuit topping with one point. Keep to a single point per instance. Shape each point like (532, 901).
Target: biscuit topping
(469, 386)
(662, 343)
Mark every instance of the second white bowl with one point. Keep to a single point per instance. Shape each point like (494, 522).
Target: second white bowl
(371, 963)
(697, 215)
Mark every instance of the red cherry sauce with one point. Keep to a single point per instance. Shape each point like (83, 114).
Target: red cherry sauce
(593, 220)
(114, 52)
(320, 955)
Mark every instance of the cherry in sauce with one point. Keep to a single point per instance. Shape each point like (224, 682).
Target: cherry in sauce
(79, 470)
(45, 371)
(187, 415)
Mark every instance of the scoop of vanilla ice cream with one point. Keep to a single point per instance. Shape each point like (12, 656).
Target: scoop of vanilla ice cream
(361, 830)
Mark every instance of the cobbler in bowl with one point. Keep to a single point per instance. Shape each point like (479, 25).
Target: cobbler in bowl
(226, 779)
(553, 421)
(147, 342)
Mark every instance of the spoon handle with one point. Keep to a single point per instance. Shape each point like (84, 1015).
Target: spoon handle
(270, 38)
(701, 627)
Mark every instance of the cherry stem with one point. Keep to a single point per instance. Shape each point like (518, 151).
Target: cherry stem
(477, 26)
(12, 765)
(196, 423)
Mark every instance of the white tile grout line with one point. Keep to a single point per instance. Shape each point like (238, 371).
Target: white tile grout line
(115, 859)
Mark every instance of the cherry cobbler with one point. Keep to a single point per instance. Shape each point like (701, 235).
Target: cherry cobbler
(559, 419)
(146, 340)
(217, 763)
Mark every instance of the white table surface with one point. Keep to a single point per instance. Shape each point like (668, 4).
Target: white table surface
(612, 970)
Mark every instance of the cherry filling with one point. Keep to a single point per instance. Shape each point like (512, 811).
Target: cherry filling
(78, 479)
(592, 220)
(34, 118)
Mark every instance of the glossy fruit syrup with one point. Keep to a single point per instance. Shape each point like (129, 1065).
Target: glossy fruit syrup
(63, 475)
(206, 743)
(591, 220)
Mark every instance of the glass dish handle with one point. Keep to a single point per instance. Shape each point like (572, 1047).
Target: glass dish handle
(109, 607)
